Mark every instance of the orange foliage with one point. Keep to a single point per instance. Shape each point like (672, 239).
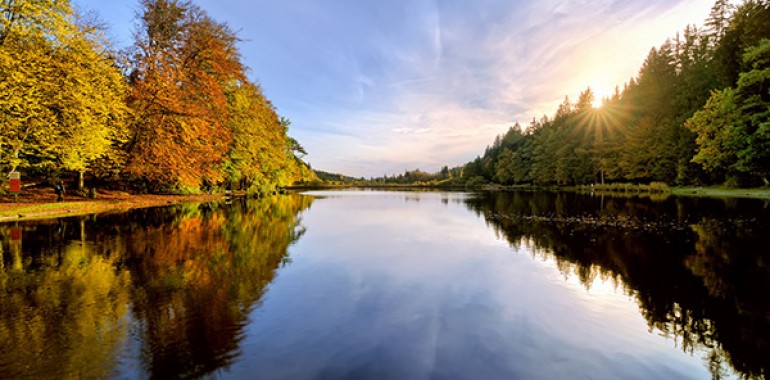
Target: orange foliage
(183, 65)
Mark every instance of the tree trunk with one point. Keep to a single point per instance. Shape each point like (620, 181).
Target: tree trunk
(81, 184)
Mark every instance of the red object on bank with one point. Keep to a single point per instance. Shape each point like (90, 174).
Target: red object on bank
(14, 182)
(15, 186)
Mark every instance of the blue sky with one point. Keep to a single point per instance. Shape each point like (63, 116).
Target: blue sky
(382, 86)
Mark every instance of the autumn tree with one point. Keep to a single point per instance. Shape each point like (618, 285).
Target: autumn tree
(30, 33)
(182, 66)
(63, 96)
(256, 153)
(91, 101)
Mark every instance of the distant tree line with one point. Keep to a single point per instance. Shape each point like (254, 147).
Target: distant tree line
(335, 177)
(418, 176)
(173, 112)
(698, 112)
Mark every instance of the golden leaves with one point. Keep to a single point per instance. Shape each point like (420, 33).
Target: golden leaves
(185, 115)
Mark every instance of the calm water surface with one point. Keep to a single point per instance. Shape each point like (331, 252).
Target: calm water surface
(393, 285)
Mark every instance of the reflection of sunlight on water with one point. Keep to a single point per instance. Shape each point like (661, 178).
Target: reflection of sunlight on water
(450, 279)
(561, 302)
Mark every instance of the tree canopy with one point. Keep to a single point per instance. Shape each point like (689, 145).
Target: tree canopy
(180, 112)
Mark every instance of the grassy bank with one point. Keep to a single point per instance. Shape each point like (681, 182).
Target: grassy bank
(655, 189)
(721, 192)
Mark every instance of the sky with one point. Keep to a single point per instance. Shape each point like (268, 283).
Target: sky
(382, 86)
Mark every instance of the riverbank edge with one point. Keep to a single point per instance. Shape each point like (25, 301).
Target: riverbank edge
(36, 210)
(718, 192)
(684, 191)
(76, 207)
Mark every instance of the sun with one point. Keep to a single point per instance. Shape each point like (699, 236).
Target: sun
(597, 103)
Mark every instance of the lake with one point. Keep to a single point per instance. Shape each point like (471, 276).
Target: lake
(393, 285)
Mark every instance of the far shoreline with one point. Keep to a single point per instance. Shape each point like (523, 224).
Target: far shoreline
(717, 192)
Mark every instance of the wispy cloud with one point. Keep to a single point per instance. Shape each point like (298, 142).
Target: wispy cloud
(380, 87)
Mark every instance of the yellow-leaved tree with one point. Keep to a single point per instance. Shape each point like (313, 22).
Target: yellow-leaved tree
(61, 93)
(93, 109)
(29, 34)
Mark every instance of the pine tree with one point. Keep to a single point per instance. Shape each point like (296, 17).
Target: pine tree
(718, 19)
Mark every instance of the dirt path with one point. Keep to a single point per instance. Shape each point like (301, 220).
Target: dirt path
(41, 203)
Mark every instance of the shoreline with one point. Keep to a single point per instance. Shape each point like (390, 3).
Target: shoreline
(37, 205)
(41, 205)
(716, 192)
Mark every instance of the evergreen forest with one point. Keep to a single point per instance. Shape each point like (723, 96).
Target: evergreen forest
(697, 113)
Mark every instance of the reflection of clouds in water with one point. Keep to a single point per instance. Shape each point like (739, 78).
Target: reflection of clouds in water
(419, 289)
(379, 286)
(663, 270)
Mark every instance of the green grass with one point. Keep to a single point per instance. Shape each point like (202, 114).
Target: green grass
(721, 192)
(633, 188)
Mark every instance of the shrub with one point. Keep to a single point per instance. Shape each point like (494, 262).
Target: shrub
(476, 181)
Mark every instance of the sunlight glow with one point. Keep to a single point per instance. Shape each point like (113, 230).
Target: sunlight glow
(597, 103)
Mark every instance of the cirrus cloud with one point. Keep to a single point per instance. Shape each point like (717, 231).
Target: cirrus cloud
(376, 87)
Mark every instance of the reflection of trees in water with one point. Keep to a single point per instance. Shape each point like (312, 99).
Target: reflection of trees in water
(61, 307)
(732, 262)
(191, 274)
(201, 276)
(698, 268)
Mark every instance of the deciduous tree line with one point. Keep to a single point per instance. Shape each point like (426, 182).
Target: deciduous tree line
(174, 111)
(697, 113)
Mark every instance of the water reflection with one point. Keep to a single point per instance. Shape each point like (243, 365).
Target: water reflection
(698, 268)
(160, 293)
(392, 285)
(61, 310)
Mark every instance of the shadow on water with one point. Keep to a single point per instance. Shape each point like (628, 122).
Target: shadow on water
(699, 269)
(170, 288)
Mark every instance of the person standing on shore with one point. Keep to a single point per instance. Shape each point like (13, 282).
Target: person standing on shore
(58, 188)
